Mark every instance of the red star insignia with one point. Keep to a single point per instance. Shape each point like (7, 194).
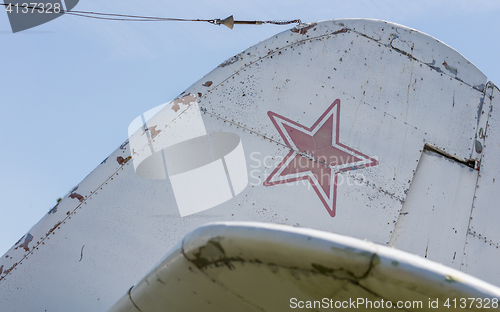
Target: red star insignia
(317, 155)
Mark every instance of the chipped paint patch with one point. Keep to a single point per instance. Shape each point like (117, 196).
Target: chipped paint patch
(230, 61)
(187, 99)
(478, 147)
(53, 228)
(6, 272)
(76, 196)
(153, 132)
(122, 160)
(123, 145)
(176, 107)
(480, 109)
(27, 240)
(343, 30)
(482, 133)
(303, 29)
(480, 87)
(54, 209)
(451, 69)
(432, 65)
(19, 240)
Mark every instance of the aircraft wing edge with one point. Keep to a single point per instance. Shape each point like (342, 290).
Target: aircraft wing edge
(201, 271)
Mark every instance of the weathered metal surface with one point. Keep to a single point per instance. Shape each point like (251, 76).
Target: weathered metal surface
(171, 141)
(261, 267)
(392, 103)
(434, 220)
(482, 249)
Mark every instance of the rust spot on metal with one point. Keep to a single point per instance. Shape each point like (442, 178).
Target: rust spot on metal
(199, 94)
(343, 30)
(207, 84)
(6, 272)
(27, 240)
(76, 196)
(303, 30)
(122, 160)
(153, 132)
(53, 228)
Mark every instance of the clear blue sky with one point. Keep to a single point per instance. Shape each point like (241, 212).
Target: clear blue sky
(70, 88)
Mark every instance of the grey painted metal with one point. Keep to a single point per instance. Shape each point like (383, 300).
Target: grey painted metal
(393, 89)
(482, 249)
(434, 221)
(261, 267)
